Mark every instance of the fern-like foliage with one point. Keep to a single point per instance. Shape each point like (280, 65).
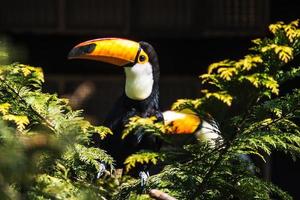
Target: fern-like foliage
(142, 157)
(46, 151)
(46, 146)
(255, 119)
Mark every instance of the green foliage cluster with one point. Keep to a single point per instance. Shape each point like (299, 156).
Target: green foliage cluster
(254, 117)
(46, 150)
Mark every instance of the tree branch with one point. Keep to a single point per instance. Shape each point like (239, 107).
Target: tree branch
(160, 195)
(28, 105)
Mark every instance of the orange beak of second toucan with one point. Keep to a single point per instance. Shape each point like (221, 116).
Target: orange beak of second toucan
(115, 51)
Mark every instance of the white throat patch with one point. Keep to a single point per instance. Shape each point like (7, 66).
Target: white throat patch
(139, 81)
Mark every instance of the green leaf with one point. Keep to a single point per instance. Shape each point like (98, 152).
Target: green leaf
(20, 120)
(143, 157)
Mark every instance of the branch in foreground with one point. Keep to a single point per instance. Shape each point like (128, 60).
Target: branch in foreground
(159, 195)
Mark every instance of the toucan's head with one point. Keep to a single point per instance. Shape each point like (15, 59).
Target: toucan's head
(138, 59)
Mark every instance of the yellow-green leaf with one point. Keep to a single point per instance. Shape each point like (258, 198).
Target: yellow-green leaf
(227, 73)
(142, 158)
(253, 79)
(136, 121)
(285, 52)
(102, 131)
(274, 27)
(272, 84)
(4, 107)
(222, 96)
(249, 62)
(20, 120)
(223, 63)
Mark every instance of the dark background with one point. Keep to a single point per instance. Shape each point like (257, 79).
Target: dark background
(187, 34)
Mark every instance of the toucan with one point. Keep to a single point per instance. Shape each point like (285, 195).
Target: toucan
(141, 93)
(187, 122)
(202, 129)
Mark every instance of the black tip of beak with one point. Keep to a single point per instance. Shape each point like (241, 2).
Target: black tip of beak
(81, 50)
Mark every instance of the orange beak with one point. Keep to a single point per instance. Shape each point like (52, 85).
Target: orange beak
(115, 51)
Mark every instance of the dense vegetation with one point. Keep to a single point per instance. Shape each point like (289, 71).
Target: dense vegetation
(46, 149)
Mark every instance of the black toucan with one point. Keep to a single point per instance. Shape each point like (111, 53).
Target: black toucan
(141, 93)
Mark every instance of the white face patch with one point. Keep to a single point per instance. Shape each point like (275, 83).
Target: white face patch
(139, 81)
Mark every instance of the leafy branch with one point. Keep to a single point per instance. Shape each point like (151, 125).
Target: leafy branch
(244, 96)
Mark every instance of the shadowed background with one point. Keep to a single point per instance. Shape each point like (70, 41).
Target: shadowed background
(188, 35)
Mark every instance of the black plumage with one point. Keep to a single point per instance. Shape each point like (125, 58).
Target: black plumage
(125, 108)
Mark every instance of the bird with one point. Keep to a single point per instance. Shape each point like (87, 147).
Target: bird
(141, 92)
(204, 128)
(186, 122)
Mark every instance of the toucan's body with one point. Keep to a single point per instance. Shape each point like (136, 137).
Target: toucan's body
(188, 123)
(123, 110)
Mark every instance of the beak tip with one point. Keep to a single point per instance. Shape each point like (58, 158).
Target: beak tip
(81, 50)
(71, 54)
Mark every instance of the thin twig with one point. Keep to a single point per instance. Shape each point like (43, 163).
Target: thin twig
(212, 169)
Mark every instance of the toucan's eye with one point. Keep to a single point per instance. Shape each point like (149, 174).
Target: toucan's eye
(142, 58)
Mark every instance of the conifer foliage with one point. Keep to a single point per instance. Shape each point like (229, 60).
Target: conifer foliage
(45, 146)
(46, 150)
(254, 117)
